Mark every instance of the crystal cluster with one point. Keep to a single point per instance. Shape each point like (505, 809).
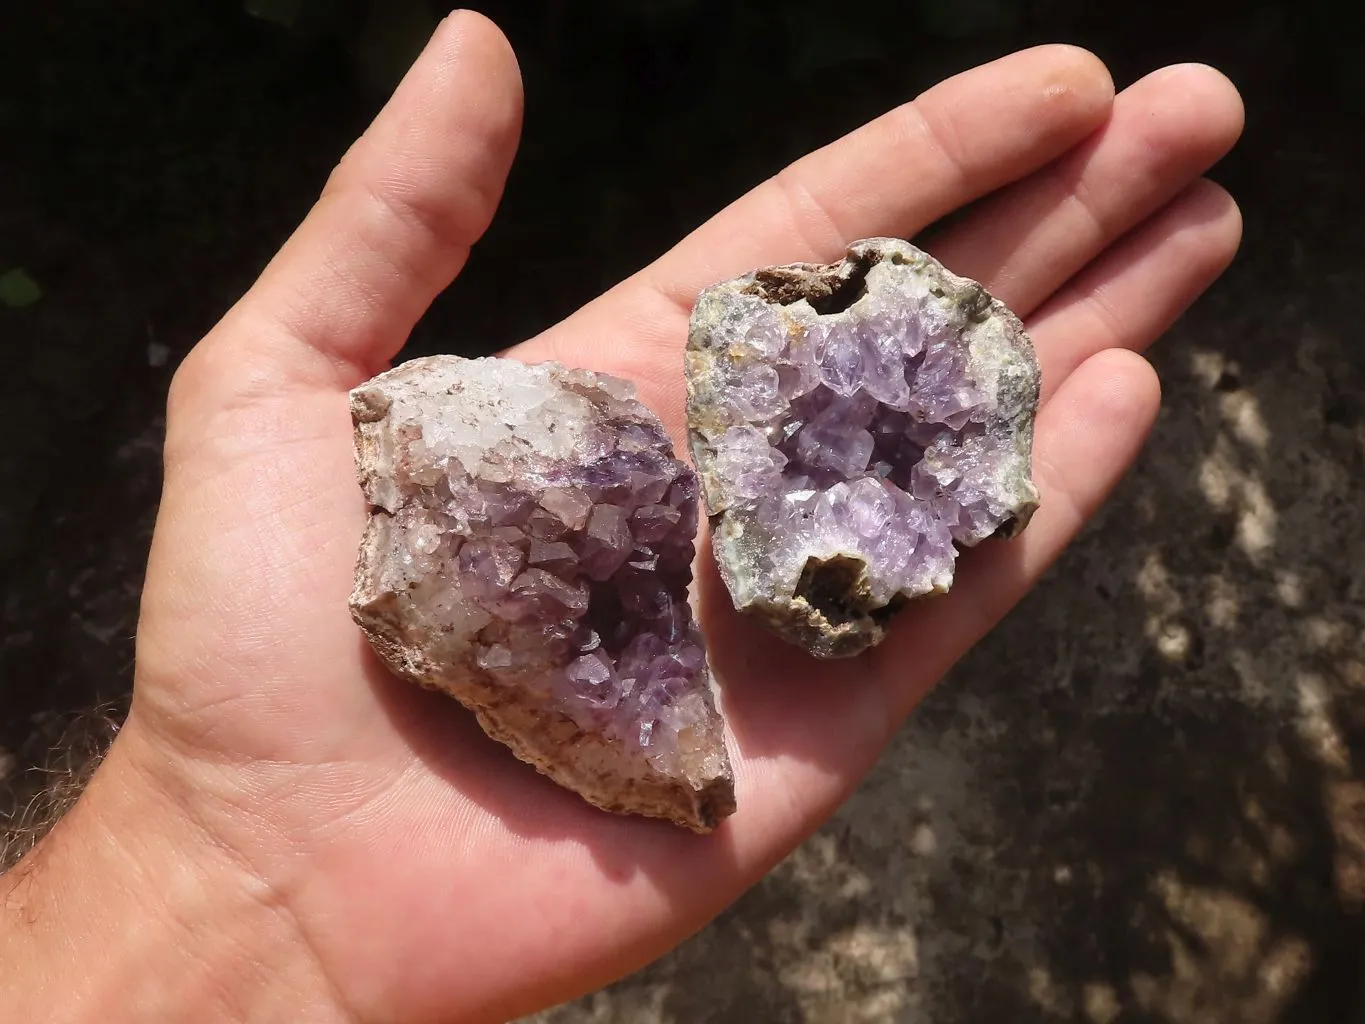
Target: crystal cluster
(855, 424)
(529, 552)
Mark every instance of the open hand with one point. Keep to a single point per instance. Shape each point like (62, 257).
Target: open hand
(358, 842)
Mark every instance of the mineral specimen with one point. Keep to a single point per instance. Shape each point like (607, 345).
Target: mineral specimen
(529, 551)
(855, 424)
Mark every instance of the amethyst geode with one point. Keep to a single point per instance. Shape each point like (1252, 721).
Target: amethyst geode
(529, 552)
(854, 425)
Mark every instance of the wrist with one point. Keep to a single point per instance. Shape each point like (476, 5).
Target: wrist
(127, 911)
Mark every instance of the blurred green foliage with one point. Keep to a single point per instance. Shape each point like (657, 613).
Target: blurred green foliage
(18, 289)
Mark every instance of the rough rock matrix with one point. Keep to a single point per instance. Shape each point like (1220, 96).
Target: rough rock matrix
(529, 552)
(854, 425)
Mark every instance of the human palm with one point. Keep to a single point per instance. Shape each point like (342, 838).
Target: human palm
(427, 874)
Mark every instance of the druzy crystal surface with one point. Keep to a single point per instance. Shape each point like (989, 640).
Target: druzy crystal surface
(529, 552)
(855, 424)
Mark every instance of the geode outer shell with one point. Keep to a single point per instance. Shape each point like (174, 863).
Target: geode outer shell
(855, 424)
(529, 552)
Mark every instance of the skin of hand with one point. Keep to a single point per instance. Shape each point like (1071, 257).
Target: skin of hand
(282, 831)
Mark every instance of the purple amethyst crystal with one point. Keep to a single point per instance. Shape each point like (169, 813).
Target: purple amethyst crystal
(854, 425)
(529, 552)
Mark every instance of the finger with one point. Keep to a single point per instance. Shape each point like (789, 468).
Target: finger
(959, 140)
(392, 227)
(1135, 291)
(1085, 440)
(1027, 240)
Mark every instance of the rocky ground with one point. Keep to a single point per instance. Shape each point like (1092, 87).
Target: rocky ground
(1140, 800)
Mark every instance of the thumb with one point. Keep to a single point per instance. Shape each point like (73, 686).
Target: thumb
(392, 228)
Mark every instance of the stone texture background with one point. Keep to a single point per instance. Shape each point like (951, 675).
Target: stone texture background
(1141, 800)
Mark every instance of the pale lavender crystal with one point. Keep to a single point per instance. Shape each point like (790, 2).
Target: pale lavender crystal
(753, 467)
(529, 551)
(854, 426)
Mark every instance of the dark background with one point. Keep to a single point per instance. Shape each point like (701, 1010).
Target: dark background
(154, 153)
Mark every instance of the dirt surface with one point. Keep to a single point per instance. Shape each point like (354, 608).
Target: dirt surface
(1139, 800)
